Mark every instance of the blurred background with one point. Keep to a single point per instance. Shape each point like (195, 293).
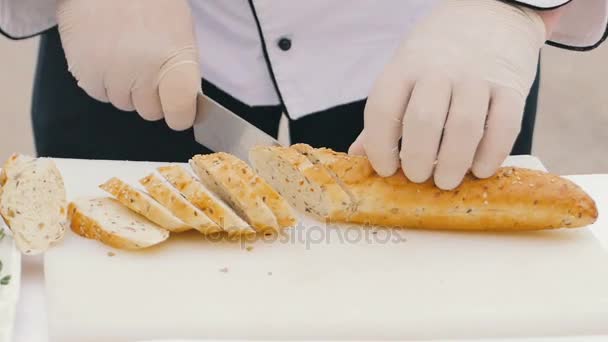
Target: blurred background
(571, 132)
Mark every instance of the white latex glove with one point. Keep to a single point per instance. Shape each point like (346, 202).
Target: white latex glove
(137, 54)
(455, 92)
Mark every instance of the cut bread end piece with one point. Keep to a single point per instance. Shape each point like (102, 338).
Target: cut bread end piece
(13, 165)
(165, 194)
(308, 187)
(33, 203)
(217, 175)
(201, 197)
(143, 204)
(279, 206)
(108, 221)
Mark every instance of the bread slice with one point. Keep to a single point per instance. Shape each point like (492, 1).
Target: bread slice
(13, 165)
(108, 221)
(165, 194)
(143, 204)
(33, 203)
(514, 199)
(279, 206)
(324, 158)
(308, 187)
(215, 208)
(218, 175)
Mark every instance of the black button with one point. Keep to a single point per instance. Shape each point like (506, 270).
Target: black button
(284, 44)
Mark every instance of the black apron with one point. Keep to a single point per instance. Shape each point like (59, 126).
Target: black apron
(68, 123)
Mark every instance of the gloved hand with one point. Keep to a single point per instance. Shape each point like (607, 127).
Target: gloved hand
(137, 54)
(455, 92)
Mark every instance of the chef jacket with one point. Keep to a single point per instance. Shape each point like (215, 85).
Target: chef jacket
(311, 55)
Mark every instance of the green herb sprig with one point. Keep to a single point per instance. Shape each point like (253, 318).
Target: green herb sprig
(7, 278)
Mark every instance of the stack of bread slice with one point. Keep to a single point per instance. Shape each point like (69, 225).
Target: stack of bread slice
(343, 188)
(222, 196)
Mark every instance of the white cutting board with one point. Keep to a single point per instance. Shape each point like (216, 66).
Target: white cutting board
(334, 284)
(10, 265)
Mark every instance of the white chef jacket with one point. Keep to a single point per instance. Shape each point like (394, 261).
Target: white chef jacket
(309, 55)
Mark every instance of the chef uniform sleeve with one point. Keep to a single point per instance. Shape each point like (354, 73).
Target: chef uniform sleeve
(583, 26)
(21, 19)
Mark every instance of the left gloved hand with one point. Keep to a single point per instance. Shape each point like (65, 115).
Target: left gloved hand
(136, 54)
(455, 92)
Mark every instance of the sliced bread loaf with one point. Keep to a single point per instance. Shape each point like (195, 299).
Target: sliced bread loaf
(143, 204)
(214, 171)
(325, 159)
(108, 221)
(279, 206)
(173, 200)
(308, 187)
(514, 199)
(33, 202)
(201, 197)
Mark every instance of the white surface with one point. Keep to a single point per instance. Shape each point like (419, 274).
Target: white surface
(457, 277)
(31, 309)
(11, 265)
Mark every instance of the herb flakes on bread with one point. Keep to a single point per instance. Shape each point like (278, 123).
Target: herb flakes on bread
(220, 177)
(170, 198)
(275, 202)
(201, 197)
(143, 204)
(308, 187)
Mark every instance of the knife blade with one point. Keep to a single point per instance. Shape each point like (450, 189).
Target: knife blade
(220, 130)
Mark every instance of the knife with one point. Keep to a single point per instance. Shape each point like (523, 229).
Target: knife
(220, 130)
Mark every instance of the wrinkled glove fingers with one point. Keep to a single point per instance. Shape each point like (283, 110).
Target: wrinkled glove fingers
(179, 83)
(462, 133)
(356, 148)
(118, 87)
(502, 128)
(89, 78)
(423, 126)
(146, 99)
(383, 116)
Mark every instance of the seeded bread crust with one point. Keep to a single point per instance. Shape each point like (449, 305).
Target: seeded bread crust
(308, 187)
(515, 199)
(205, 200)
(219, 177)
(279, 206)
(319, 158)
(144, 205)
(170, 198)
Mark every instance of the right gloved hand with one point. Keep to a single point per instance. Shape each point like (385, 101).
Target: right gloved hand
(454, 93)
(137, 54)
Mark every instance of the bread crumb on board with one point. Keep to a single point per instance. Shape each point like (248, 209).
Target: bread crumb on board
(111, 254)
(224, 270)
(249, 248)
